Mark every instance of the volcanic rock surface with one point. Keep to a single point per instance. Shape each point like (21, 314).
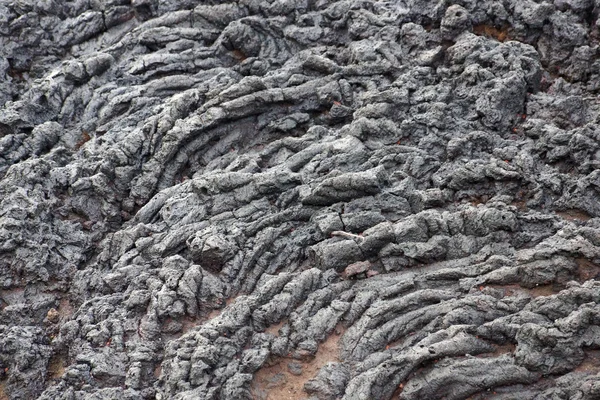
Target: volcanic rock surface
(287, 199)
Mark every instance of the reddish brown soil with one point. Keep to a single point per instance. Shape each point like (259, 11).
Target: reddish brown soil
(3, 395)
(239, 55)
(217, 311)
(499, 350)
(500, 34)
(65, 310)
(574, 215)
(274, 329)
(397, 392)
(275, 382)
(591, 363)
(544, 290)
(56, 367)
(189, 323)
(85, 137)
(586, 269)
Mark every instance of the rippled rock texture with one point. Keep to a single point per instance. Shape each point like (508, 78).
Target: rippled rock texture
(296, 199)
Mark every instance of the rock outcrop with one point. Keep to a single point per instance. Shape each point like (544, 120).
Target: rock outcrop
(299, 199)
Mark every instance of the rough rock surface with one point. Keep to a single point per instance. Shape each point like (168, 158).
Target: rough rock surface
(273, 199)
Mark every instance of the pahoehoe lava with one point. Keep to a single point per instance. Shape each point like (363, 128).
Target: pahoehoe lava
(288, 199)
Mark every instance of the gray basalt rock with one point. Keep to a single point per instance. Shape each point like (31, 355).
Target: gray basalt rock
(330, 199)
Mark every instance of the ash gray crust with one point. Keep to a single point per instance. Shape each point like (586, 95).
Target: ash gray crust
(195, 192)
